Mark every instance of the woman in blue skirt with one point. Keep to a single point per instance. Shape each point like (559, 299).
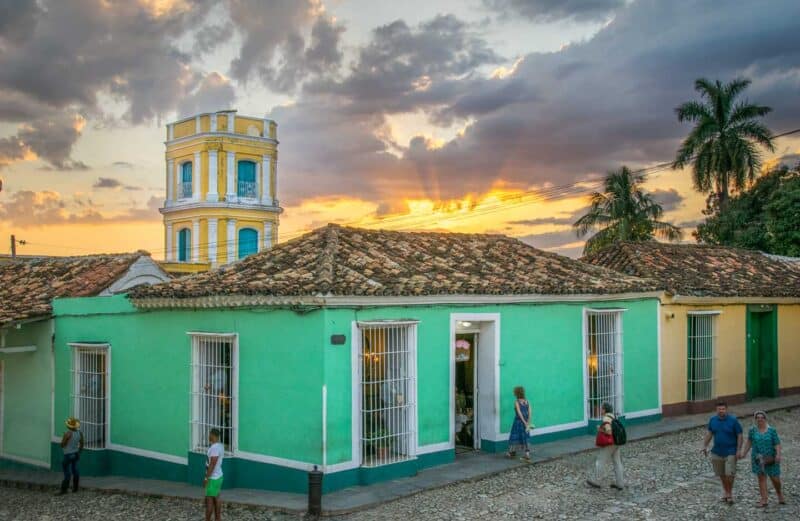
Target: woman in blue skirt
(766, 458)
(518, 439)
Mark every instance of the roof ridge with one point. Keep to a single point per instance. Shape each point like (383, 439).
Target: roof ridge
(325, 261)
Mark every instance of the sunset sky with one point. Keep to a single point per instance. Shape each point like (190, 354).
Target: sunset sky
(493, 116)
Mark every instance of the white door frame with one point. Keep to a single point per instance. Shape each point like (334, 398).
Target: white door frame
(482, 318)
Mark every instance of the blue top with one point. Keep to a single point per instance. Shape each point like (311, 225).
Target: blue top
(725, 433)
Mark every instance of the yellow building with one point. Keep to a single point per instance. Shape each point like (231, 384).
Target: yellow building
(729, 321)
(221, 182)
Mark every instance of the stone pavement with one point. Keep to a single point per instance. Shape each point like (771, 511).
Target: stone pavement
(467, 467)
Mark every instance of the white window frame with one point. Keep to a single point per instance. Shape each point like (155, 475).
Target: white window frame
(710, 333)
(75, 397)
(409, 408)
(617, 394)
(198, 430)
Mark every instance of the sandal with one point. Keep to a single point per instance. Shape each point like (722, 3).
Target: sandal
(761, 504)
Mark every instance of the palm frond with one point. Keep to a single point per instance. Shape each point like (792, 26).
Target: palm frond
(744, 111)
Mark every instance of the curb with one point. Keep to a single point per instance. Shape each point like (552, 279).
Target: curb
(45, 487)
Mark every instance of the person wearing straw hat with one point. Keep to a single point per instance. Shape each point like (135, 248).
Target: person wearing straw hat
(71, 445)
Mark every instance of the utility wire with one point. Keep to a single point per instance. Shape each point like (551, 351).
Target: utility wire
(522, 198)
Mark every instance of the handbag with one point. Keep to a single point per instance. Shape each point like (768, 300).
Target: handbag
(603, 439)
(765, 461)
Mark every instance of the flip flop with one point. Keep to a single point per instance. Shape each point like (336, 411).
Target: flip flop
(761, 504)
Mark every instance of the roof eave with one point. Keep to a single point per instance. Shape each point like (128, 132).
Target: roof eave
(234, 301)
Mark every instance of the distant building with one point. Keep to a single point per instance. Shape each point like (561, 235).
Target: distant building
(221, 202)
(729, 320)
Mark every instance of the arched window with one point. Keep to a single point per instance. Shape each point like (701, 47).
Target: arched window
(186, 180)
(247, 179)
(184, 244)
(248, 242)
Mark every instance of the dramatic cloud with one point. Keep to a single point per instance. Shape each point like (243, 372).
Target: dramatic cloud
(548, 119)
(213, 93)
(27, 208)
(668, 199)
(58, 56)
(49, 138)
(404, 69)
(107, 182)
(274, 47)
(564, 242)
(17, 19)
(549, 10)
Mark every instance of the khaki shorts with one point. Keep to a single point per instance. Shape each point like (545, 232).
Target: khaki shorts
(724, 465)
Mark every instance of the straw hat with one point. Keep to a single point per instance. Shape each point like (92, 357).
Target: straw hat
(72, 423)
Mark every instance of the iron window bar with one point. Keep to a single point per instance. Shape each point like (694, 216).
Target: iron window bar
(89, 397)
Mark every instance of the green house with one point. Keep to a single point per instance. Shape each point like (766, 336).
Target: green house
(27, 334)
(369, 354)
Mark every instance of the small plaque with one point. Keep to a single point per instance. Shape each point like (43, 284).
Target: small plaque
(338, 340)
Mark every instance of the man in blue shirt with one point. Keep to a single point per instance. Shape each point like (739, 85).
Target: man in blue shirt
(727, 434)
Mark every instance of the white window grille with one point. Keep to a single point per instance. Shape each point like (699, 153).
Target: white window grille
(702, 339)
(213, 389)
(604, 361)
(388, 392)
(90, 374)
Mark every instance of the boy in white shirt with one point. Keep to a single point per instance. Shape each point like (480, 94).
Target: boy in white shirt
(213, 481)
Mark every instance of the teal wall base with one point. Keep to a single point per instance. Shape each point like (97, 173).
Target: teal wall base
(368, 476)
(242, 473)
(112, 462)
(502, 446)
(7, 464)
(239, 473)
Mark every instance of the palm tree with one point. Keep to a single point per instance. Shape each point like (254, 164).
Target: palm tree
(623, 212)
(722, 145)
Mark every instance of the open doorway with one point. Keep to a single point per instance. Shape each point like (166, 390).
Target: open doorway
(473, 377)
(466, 348)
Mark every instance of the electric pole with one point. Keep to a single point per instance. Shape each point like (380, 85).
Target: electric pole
(13, 247)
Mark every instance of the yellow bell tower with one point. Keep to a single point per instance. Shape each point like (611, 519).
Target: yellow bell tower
(221, 180)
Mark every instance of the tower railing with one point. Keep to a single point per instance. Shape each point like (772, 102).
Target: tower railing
(247, 189)
(185, 190)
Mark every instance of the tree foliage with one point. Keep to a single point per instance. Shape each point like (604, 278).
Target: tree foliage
(723, 145)
(623, 212)
(765, 217)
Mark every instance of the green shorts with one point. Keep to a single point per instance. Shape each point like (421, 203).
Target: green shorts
(213, 487)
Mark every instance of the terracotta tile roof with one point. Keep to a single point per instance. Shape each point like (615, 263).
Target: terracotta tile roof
(702, 270)
(341, 261)
(28, 285)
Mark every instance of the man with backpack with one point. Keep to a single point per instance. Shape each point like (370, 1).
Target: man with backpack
(610, 438)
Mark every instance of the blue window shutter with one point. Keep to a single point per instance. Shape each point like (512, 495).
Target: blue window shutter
(248, 242)
(184, 243)
(246, 182)
(186, 172)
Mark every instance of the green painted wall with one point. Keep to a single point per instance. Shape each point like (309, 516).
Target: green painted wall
(541, 348)
(26, 399)
(285, 357)
(280, 373)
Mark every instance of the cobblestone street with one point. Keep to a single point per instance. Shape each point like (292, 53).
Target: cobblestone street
(667, 478)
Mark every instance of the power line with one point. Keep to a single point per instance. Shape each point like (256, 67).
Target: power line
(522, 198)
